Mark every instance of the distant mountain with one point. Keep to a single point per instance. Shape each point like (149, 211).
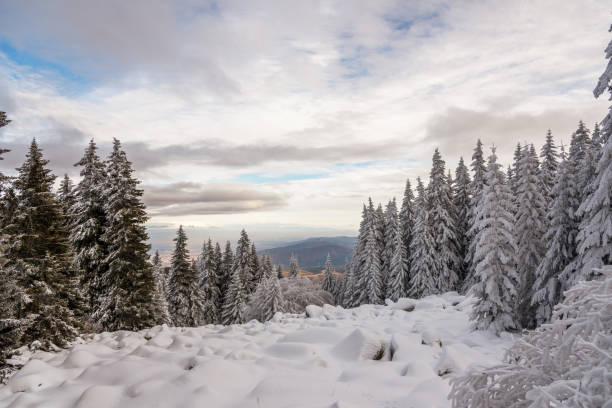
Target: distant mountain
(312, 252)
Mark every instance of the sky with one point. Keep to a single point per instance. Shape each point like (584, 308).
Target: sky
(283, 117)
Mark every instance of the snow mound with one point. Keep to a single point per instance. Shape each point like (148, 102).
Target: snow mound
(401, 354)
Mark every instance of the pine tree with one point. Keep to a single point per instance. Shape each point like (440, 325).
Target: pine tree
(185, 302)
(217, 260)
(516, 169)
(548, 168)
(225, 275)
(208, 282)
(461, 201)
(293, 267)
(581, 157)
(256, 271)
(267, 299)
(406, 220)
(328, 277)
(441, 216)
(3, 122)
(66, 196)
(353, 290)
(266, 267)
(392, 228)
(529, 228)
(127, 284)
(243, 262)
(370, 280)
(560, 239)
(161, 289)
(279, 271)
(398, 276)
(476, 187)
(234, 304)
(39, 254)
(88, 224)
(497, 280)
(423, 261)
(595, 212)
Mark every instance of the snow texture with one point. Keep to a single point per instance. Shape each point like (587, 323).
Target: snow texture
(371, 356)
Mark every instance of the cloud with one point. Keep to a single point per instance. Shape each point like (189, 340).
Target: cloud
(187, 198)
(454, 127)
(218, 153)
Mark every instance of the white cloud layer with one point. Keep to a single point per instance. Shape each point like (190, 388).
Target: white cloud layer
(327, 102)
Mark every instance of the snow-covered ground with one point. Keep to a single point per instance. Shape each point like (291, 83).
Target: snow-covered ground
(371, 356)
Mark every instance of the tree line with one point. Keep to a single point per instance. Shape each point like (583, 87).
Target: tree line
(516, 239)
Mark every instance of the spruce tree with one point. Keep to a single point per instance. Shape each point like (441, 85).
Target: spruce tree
(398, 276)
(243, 261)
(65, 195)
(267, 268)
(127, 283)
(529, 228)
(208, 282)
(256, 271)
(293, 267)
(441, 216)
(392, 228)
(161, 286)
(476, 187)
(494, 259)
(225, 275)
(233, 311)
(279, 271)
(406, 220)
(370, 282)
(185, 302)
(461, 201)
(267, 299)
(39, 255)
(328, 278)
(423, 262)
(548, 168)
(88, 223)
(580, 156)
(353, 290)
(560, 241)
(513, 176)
(595, 235)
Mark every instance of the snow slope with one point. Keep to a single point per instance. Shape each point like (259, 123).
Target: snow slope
(371, 356)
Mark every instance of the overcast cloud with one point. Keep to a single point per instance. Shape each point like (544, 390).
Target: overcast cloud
(281, 113)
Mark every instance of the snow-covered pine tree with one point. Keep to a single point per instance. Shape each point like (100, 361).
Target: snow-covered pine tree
(461, 201)
(398, 276)
(65, 195)
(476, 187)
(185, 302)
(353, 290)
(127, 284)
(328, 278)
(8, 206)
(441, 215)
(217, 259)
(423, 262)
(234, 304)
(406, 220)
(267, 268)
(560, 239)
(88, 223)
(243, 261)
(293, 266)
(392, 228)
(548, 168)
(595, 212)
(267, 299)
(530, 225)
(580, 157)
(208, 282)
(225, 274)
(516, 168)
(497, 280)
(370, 281)
(279, 271)
(256, 271)
(161, 286)
(39, 254)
